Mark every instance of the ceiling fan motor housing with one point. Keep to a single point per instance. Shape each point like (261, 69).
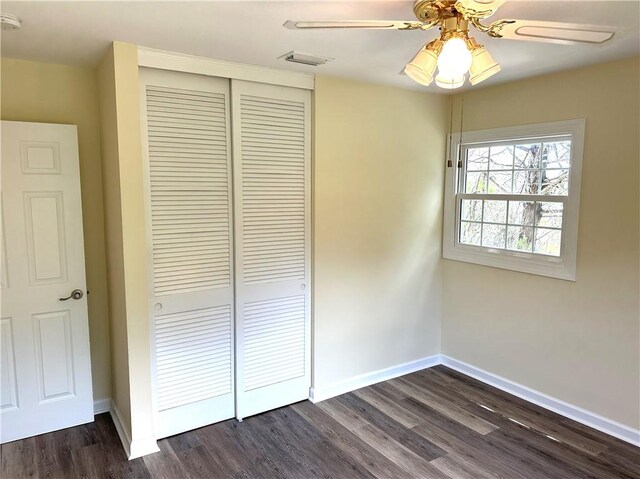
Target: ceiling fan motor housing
(432, 11)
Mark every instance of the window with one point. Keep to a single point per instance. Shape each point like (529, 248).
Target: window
(513, 202)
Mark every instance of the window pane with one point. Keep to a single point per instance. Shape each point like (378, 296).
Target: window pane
(493, 236)
(519, 238)
(470, 233)
(477, 159)
(555, 182)
(547, 241)
(471, 210)
(495, 211)
(499, 182)
(501, 157)
(521, 212)
(525, 182)
(556, 154)
(512, 200)
(527, 155)
(476, 183)
(549, 214)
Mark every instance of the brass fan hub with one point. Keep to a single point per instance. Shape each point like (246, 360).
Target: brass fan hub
(431, 12)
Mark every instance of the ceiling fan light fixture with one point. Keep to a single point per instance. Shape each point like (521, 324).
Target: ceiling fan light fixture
(422, 67)
(483, 65)
(449, 83)
(455, 58)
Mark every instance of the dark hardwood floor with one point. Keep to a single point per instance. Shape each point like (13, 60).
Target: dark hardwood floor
(436, 423)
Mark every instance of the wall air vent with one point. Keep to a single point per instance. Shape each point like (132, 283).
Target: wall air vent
(305, 59)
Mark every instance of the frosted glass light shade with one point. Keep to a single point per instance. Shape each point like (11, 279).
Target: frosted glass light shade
(450, 83)
(455, 59)
(422, 67)
(482, 66)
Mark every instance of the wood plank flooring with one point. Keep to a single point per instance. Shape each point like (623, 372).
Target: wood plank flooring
(435, 423)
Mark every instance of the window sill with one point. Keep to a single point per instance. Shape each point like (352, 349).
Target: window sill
(513, 261)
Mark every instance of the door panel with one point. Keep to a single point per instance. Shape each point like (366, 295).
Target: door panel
(45, 368)
(54, 355)
(187, 152)
(8, 387)
(45, 237)
(271, 131)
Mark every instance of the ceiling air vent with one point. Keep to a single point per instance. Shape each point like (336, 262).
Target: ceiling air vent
(305, 59)
(10, 22)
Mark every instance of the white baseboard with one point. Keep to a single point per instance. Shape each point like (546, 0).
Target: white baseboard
(133, 449)
(563, 408)
(101, 405)
(367, 379)
(581, 415)
(143, 447)
(125, 437)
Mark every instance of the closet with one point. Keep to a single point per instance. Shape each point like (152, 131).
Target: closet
(227, 166)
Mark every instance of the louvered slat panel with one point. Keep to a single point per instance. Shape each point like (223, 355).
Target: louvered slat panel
(271, 181)
(193, 355)
(273, 128)
(274, 344)
(187, 126)
(189, 189)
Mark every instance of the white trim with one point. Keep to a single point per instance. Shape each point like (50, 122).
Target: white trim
(583, 416)
(133, 449)
(562, 268)
(101, 405)
(125, 437)
(367, 379)
(143, 447)
(152, 58)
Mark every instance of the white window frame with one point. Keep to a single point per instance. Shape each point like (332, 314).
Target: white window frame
(562, 267)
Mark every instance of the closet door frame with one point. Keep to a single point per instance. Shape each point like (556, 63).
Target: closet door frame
(182, 62)
(192, 419)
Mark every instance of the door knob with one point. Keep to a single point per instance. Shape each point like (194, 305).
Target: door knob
(75, 294)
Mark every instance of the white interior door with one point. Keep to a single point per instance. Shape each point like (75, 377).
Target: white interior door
(45, 366)
(271, 139)
(188, 153)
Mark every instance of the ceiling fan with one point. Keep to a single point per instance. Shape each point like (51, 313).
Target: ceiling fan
(455, 52)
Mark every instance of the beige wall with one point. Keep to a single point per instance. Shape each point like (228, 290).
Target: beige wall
(47, 93)
(577, 341)
(377, 196)
(126, 243)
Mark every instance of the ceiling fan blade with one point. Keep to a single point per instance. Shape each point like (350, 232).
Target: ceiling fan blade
(357, 24)
(555, 32)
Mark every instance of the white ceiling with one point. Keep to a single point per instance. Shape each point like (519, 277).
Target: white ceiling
(78, 33)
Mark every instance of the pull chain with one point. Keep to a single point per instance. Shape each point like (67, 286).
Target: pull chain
(461, 118)
(449, 162)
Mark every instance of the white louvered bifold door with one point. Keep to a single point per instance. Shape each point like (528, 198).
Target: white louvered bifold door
(187, 149)
(271, 131)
